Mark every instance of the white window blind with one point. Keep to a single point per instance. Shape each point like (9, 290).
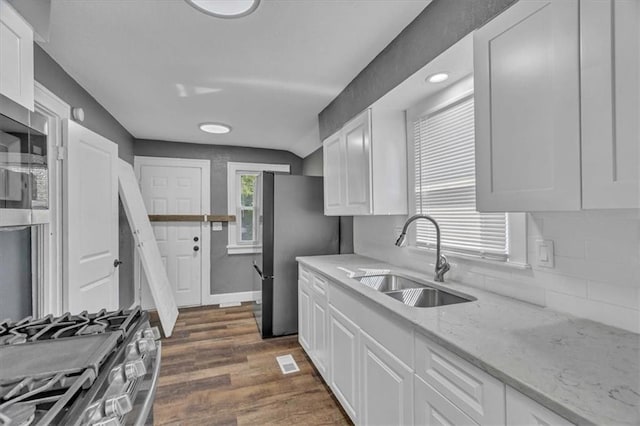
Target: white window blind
(445, 185)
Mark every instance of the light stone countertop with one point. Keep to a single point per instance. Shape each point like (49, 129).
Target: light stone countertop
(585, 371)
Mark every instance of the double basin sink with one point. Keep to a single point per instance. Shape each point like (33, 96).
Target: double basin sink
(413, 293)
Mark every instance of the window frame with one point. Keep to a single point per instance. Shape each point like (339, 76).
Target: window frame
(516, 222)
(234, 172)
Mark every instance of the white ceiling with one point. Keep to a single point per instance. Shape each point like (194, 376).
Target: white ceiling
(161, 67)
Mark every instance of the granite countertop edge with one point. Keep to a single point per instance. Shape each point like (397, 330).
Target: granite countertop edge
(571, 413)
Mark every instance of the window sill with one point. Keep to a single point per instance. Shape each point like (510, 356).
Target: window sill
(471, 258)
(244, 249)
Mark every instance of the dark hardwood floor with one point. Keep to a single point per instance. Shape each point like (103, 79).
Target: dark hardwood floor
(217, 370)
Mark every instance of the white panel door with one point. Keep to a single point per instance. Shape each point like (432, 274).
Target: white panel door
(386, 386)
(357, 141)
(16, 56)
(333, 170)
(147, 248)
(527, 94)
(610, 41)
(175, 190)
(90, 209)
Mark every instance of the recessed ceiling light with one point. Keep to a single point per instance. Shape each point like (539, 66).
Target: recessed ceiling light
(225, 8)
(217, 128)
(438, 78)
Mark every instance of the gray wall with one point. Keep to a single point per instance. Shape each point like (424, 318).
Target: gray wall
(98, 119)
(437, 28)
(312, 166)
(229, 273)
(15, 274)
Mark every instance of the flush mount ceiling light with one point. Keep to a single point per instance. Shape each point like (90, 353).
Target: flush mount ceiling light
(438, 78)
(216, 128)
(225, 8)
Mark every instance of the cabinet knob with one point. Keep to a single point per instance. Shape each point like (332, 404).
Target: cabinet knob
(196, 248)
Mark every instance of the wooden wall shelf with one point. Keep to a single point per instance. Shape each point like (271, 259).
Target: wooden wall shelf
(190, 218)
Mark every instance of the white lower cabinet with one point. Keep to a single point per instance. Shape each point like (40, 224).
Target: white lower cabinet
(431, 408)
(477, 394)
(523, 411)
(304, 313)
(344, 361)
(383, 372)
(386, 386)
(319, 321)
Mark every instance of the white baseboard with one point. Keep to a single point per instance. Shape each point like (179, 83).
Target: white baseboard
(230, 298)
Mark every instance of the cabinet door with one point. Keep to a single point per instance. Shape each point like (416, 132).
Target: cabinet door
(343, 356)
(526, 71)
(319, 321)
(431, 408)
(357, 148)
(16, 56)
(610, 105)
(304, 315)
(386, 386)
(334, 179)
(523, 411)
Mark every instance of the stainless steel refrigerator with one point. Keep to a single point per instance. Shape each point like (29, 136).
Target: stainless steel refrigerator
(292, 223)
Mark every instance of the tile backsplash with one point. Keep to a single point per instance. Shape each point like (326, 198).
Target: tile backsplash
(596, 273)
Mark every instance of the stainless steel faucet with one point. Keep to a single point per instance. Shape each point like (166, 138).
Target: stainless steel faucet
(442, 265)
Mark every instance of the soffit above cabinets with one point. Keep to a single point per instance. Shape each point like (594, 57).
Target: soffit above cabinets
(161, 67)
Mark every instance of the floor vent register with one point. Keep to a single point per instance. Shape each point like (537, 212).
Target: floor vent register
(287, 364)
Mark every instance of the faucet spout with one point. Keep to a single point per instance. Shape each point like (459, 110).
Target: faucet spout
(442, 265)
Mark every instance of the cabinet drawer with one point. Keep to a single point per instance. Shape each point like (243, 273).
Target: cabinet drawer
(479, 395)
(431, 408)
(303, 273)
(319, 285)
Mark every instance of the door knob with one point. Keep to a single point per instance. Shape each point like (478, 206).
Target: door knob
(196, 248)
(117, 263)
(196, 239)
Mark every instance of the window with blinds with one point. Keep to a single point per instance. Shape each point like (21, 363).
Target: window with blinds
(445, 186)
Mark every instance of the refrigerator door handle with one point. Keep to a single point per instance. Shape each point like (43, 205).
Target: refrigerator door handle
(258, 270)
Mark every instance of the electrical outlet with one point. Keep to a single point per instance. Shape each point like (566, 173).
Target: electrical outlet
(545, 253)
(216, 226)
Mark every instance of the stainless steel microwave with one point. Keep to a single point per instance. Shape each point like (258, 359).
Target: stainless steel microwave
(24, 172)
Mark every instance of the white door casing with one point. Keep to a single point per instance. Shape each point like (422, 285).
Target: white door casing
(50, 292)
(90, 210)
(177, 186)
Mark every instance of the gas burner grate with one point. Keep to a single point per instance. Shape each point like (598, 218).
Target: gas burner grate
(67, 325)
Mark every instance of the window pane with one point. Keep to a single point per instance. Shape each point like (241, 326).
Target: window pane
(247, 190)
(445, 185)
(246, 223)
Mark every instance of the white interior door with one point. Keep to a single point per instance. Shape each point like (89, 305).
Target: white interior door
(90, 221)
(176, 189)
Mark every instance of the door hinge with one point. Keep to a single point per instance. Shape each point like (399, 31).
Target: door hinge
(61, 153)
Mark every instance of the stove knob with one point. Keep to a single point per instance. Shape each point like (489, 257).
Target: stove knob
(151, 333)
(118, 406)
(110, 421)
(134, 369)
(117, 374)
(146, 346)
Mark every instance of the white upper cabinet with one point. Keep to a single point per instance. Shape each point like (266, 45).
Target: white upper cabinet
(16, 56)
(610, 40)
(365, 166)
(527, 74)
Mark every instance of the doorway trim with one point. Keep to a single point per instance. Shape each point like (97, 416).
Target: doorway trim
(50, 295)
(205, 187)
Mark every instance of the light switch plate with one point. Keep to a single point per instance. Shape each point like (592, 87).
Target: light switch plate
(216, 226)
(545, 253)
